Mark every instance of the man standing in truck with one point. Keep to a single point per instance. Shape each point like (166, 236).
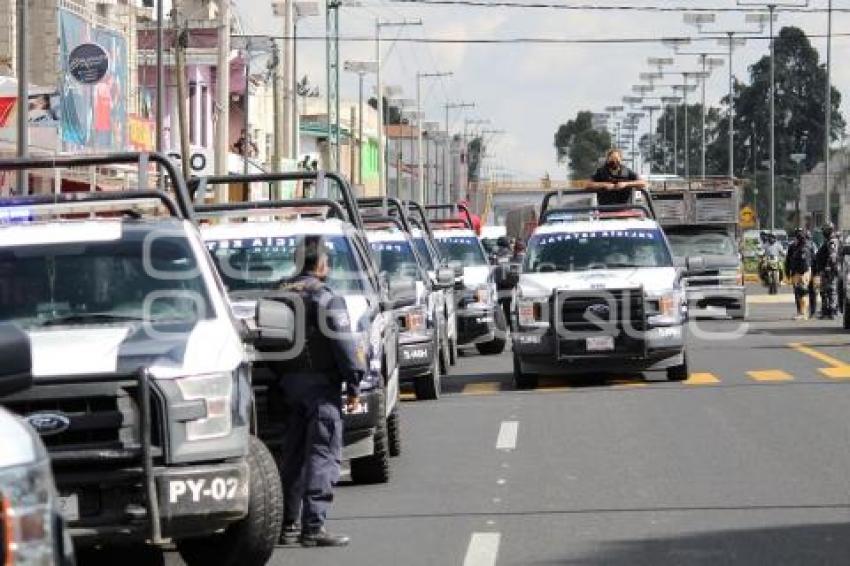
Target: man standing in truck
(618, 179)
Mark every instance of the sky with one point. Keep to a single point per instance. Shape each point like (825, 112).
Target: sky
(527, 90)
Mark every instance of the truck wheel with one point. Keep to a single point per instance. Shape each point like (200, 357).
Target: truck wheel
(394, 433)
(523, 380)
(250, 541)
(679, 373)
(497, 345)
(453, 351)
(445, 362)
(427, 387)
(375, 468)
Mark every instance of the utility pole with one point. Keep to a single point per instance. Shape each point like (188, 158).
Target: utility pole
(246, 113)
(361, 68)
(420, 160)
(181, 42)
(278, 85)
(223, 98)
(828, 116)
(332, 66)
(160, 86)
(379, 25)
(22, 34)
(447, 169)
(771, 9)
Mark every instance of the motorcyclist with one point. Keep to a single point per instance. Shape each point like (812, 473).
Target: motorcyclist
(798, 266)
(772, 251)
(827, 268)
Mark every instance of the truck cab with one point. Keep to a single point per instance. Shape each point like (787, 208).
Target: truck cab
(701, 221)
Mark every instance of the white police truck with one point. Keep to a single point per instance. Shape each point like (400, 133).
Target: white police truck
(598, 292)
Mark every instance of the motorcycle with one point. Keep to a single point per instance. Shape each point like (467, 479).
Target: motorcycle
(771, 272)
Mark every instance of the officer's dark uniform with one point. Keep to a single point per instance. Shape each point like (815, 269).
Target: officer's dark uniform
(798, 266)
(620, 175)
(312, 383)
(827, 267)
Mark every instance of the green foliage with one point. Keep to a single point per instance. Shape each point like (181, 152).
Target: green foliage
(579, 144)
(475, 150)
(669, 135)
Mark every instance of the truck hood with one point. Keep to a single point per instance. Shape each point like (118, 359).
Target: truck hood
(167, 350)
(476, 276)
(651, 279)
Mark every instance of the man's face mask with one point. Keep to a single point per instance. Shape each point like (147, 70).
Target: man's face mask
(613, 162)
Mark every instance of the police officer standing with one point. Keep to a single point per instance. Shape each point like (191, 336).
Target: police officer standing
(312, 384)
(616, 178)
(827, 268)
(798, 266)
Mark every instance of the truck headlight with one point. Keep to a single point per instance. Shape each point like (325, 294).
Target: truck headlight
(26, 527)
(668, 308)
(216, 390)
(530, 312)
(415, 320)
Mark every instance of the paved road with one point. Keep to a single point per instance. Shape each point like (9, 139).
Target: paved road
(748, 462)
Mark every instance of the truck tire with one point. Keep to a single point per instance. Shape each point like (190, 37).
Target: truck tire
(251, 541)
(394, 433)
(427, 387)
(445, 362)
(680, 372)
(497, 345)
(453, 351)
(523, 380)
(375, 468)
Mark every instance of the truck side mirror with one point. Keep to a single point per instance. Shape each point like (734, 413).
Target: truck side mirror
(276, 325)
(15, 360)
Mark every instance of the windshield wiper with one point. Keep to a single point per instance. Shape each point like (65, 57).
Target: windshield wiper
(91, 318)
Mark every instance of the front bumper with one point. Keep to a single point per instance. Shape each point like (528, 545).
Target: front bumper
(192, 501)
(358, 431)
(706, 301)
(656, 349)
(416, 355)
(476, 324)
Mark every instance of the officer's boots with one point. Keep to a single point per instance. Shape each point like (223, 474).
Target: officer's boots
(323, 538)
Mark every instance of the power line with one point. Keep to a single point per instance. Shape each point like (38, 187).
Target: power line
(612, 8)
(534, 40)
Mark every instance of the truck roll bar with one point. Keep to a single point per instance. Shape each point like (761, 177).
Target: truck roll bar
(547, 198)
(460, 208)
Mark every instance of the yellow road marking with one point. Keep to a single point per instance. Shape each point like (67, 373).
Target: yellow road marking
(408, 397)
(704, 378)
(552, 384)
(839, 369)
(483, 388)
(634, 382)
(770, 375)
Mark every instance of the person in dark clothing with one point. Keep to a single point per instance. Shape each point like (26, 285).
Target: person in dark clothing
(503, 247)
(813, 282)
(798, 267)
(616, 178)
(827, 268)
(312, 384)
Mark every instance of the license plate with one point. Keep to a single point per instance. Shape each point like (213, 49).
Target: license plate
(69, 507)
(600, 344)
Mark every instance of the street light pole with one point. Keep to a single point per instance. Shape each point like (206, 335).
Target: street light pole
(22, 33)
(771, 9)
(447, 148)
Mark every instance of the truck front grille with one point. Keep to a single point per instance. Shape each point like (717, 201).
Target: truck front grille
(585, 315)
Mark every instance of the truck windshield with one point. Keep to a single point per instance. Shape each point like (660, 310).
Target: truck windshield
(262, 264)
(701, 243)
(154, 281)
(424, 252)
(465, 249)
(396, 259)
(602, 249)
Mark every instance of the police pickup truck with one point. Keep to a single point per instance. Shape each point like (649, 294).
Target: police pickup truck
(253, 247)
(141, 387)
(598, 292)
(480, 320)
(32, 530)
(423, 341)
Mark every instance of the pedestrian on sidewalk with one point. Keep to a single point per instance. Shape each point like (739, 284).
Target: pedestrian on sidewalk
(798, 266)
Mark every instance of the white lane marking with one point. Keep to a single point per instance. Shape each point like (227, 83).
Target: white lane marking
(501, 481)
(483, 549)
(507, 435)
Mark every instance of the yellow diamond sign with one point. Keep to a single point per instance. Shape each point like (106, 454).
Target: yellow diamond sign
(747, 217)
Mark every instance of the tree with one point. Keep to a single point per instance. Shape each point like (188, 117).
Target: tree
(392, 114)
(799, 123)
(475, 150)
(661, 157)
(579, 144)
